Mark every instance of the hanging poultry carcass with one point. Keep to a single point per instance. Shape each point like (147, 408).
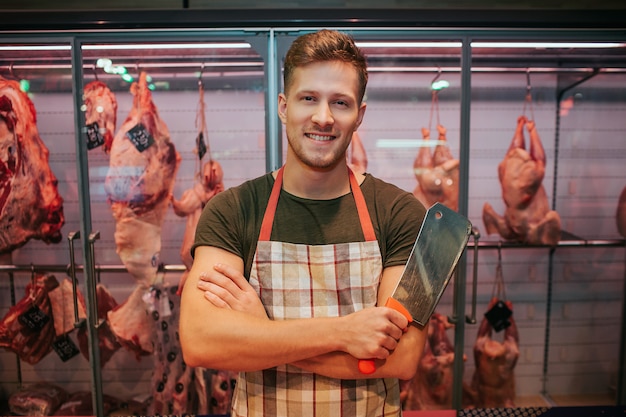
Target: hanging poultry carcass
(357, 157)
(621, 213)
(527, 217)
(437, 174)
(493, 382)
(30, 204)
(100, 115)
(431, 388)
(140, 179)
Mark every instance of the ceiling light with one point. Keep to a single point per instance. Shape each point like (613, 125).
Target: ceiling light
(140, 46)
(409, 44)
(36, 48)
(548, 45)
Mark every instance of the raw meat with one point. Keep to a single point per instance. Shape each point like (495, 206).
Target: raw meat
(621, 213)
(31, 345)
(437, 174)
(130, 322)
(357, 158)
(494, 381)
(191, 204)
(38, 399)
(100, 111)
(81, 404)
(142, 168)
(527, 217)
(62, 302)
(431, 388)
(30, 204)
(176, 388)
(106, 339)
(222, 388)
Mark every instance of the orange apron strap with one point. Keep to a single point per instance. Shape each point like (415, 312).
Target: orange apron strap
(270, 210)
(361, 206)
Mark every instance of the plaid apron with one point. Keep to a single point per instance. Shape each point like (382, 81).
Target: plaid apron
(297, 281)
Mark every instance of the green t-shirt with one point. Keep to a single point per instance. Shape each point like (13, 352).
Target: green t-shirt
(232, 219)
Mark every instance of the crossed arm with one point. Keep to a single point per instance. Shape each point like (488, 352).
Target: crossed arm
(224, 325)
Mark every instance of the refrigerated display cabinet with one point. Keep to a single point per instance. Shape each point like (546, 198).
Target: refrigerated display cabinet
(472, 76)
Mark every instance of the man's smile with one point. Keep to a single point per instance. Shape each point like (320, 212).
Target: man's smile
(319, 137)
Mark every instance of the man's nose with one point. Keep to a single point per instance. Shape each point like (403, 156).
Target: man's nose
(323, 115)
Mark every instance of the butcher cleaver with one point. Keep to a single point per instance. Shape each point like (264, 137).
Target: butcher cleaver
(436, 252)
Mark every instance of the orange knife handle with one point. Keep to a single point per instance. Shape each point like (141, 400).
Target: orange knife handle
(396, 305)
(367, 366)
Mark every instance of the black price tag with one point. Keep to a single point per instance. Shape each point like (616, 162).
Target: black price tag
(65, 348)
(200, 145)
(94, 137)
(498, 316)
(140, 137)
(33, 319)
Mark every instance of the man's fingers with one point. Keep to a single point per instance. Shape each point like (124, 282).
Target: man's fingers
(233, 274)
(215, 300)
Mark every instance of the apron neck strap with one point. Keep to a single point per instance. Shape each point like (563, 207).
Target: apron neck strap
(361, 206)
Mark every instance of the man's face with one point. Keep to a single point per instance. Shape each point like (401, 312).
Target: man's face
(320, 111)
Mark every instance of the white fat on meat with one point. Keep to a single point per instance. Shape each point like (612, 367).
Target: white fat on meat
(527, 217)
(62, 301)
(138, 185)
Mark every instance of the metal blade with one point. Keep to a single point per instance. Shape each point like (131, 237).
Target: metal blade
(437, 250)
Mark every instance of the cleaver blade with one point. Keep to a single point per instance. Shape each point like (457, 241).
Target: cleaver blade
(439, 245)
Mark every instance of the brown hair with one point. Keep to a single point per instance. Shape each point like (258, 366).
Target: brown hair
(325, 45)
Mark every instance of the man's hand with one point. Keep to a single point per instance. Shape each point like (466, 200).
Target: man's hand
(225, 287)
(373, 333)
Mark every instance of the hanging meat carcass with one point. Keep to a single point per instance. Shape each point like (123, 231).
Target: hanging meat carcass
(142, 168)
(493, 382)
(527, 217)
(177, 389)
(437, 174)
(210, 182)
(357, 157)
(107, 341)
(28, 327)
(30, 204)
(431, 388)
(100, 114)
(130, 322)
(621, 213)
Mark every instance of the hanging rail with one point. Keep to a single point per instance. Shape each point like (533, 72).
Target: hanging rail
(66, 268)
(181, 268)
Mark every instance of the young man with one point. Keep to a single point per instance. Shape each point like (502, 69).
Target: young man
(289, 267)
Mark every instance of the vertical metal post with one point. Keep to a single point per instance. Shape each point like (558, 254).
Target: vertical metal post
(85, 227)
(621, 369)
(460, 281)
(273, 133)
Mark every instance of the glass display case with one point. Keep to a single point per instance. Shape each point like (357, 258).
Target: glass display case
(207, 99)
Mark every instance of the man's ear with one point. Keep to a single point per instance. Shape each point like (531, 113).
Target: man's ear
(282, 108)
(359, 119)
